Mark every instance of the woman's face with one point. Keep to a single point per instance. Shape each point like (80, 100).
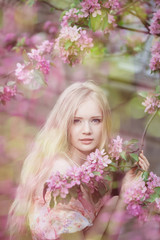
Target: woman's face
(86, 129)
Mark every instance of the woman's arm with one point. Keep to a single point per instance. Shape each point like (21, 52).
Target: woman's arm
(96, 231)
(102, 220)
(117, 219)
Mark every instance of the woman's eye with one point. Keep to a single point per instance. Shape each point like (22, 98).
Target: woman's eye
(96, 120)
(76, 121)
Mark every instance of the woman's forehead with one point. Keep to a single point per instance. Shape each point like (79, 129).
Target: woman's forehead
(88, 107)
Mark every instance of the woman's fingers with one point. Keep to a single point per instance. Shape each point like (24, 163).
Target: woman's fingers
(143, 162)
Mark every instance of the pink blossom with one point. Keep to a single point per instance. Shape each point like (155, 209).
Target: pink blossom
(151, 103)
(115, 147)
(7, 93)
(90, 6)
(155, 48)
(112, 23)
(74, 174)
(137, 195)
(43, 65)
(72, 44)
(50, 27)
(134, 209)
(58, 185)
(45, 47)
(136, 192)
(153, 181)
(96, 12)
(72, 15)
(113, 4)
(155, 60)
(155, 25)
(37, 60)
(23, 73)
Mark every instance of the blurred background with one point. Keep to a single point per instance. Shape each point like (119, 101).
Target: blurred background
(118, 62)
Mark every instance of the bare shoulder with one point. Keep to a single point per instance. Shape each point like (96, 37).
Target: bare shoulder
(61, 164)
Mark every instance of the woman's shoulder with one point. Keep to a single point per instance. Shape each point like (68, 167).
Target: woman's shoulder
(61, 164)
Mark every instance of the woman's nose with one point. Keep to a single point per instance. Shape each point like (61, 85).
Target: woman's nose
(87, 128)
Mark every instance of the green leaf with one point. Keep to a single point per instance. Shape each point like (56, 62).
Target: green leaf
(95, 22)
(145, 176)
(62, 14)
(112, 168)
(134, 156)
(21, 42)
(123, 155)
(155, 195)
(143, 94)
(68, 44)
(96, 173)
(52, 202)
(107, 177)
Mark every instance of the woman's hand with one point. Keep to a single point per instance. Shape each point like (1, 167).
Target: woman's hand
(143, 162)
(133, 175)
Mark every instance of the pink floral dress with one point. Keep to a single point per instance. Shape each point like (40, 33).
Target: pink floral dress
(48, 224)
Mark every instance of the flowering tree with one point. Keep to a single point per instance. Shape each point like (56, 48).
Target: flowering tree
(86, 27)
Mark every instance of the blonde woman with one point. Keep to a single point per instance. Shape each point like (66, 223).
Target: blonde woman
(78, 124)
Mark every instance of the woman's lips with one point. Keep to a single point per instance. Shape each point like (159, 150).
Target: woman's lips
(86, 140)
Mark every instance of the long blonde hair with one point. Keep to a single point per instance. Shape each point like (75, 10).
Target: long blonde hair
(51, 140)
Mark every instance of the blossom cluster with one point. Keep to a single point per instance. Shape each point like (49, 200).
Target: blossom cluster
(97, 168)
(151, 103)
(72, 15)
(73, 43)
(139, 196)
(7, 92)
(155, 25)
(36, 60)
(113, 4)
(97, 162)
(115, 147)
(155, 60)
(89, 6)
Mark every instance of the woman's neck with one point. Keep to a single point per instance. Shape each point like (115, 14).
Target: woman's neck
(77, 156)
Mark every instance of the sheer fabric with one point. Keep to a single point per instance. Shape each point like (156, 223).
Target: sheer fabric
(48, 224)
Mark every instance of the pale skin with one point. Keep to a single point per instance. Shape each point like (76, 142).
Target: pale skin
(85, 134)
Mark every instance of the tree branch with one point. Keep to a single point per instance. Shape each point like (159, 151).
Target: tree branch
(133, 29)
(143, 21)
(145, 130)
(52, 6)
(128, 6)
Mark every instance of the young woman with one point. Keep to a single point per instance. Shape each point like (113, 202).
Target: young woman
(78, 124)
